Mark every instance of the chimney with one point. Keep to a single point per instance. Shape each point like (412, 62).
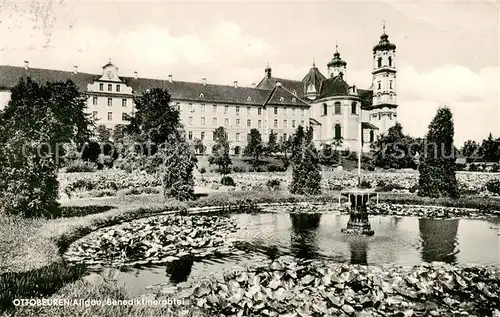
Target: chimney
(170, 78)
(136, 75)
(254, 85)
(26, 64)
(204, 80)
(75, 69)
(278, 84)
(235, 84)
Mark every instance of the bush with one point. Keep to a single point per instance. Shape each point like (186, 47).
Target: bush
(414, 189)
(203, 170)
(275, 168)
(239, 169)
(80, 166)
(494, 168)
(473, 168)
(251, 169)
(273, 184)
(177, 171)
(365, 184)
(227, 181)
(28, 183)
(259, 169)
(493, 186)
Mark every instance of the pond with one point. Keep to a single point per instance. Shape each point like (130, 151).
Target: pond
(397, 240)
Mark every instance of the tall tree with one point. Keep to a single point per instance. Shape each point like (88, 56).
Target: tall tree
(220, 155)
(156, 119)
(254, 146)
(198, 146)
(103, 134)
(272, 144)
(306, 174)
(284, 147)
(437, 171)
(490, 149)
(30, 144)
(396, 150)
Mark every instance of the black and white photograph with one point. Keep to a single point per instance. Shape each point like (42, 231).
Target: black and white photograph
(249, 158)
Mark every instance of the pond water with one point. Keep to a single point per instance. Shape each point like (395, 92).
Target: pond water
(401, 241)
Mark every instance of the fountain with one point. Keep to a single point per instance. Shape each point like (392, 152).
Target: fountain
(358, 219)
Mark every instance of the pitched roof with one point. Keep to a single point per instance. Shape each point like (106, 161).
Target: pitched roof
(335, 86)
(315, 77)
(10, 75)
(368, 125)
(291, 85)
(280, 96)
(180, 90)
(366, 96)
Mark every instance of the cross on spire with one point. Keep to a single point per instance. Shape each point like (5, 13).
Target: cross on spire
(314, 62)
(336, 47)
(383, 25)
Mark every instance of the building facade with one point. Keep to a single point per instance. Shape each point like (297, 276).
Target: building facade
(335, 109)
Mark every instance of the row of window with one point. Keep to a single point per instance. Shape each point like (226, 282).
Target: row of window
(125, 116)
(338, 108)
(95, 102)
(237, 136)
(379, 62)
(249, 122)
(110, 87)
(249, 109)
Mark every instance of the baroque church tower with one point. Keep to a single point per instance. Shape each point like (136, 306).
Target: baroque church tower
(384, 105)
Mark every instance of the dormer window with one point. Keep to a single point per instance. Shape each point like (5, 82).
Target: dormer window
(294, 100)
(249, 98)
(282, 99)
(202, 95)
(295, 92)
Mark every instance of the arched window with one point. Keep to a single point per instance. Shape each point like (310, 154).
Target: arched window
(338, 108)
(390, 61)
(372, 136)
(325, 109)
(338, 131)
(379, 62)
(354, 108)
(237, 150)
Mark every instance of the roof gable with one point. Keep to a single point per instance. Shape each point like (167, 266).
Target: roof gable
(335, 86)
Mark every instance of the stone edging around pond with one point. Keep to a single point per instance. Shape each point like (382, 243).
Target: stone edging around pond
(287, 287)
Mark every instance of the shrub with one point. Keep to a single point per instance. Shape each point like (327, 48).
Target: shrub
(413, 189)
(275, 168)
(28, 183)
(239, 169)
(80, 166)
(227, 181)
(473, 168)
(259, 169)
(493, 186)
(177, 171)
(494, 168)
(251, 169)
(365, 184)
(203, 170)
(273, 184)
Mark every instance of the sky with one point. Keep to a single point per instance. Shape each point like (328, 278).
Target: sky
(447, 52)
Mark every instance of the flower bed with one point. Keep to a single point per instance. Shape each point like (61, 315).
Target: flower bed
(286, 287)
(154, 240)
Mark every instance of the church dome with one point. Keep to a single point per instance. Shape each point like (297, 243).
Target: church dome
(336, 61)
(384, 44)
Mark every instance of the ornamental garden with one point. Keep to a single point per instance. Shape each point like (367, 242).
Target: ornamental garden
(142, 216)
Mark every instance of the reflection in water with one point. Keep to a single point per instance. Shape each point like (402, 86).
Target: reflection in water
(303, 234)
(438, 239)
(359, 250)
(179, 270)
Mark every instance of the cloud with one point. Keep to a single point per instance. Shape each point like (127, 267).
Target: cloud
(151, 50)
(472, 98)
